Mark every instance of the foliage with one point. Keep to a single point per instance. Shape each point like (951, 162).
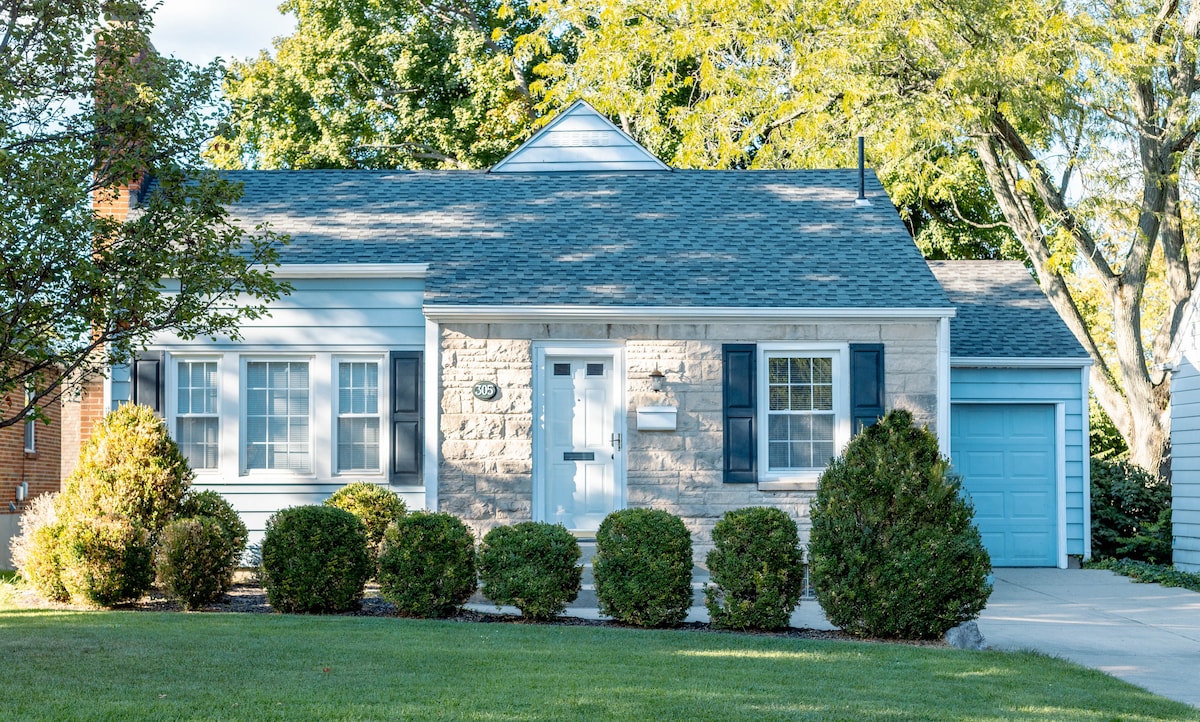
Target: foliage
(643, 567)
(35, 551)
(374, 506)
(106, 559)
(427, 568)
(1131, 513)
(532, 566)
(90, 100)
(194, 560)
(757, 569)
(893, 552)
(1104, 440)
(1148, 573)
(364, 84)
(209, 503)
(315, 559)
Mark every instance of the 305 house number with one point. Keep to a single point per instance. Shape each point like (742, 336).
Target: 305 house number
(485, 390)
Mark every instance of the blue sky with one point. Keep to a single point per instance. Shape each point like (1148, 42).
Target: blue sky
(199, 30)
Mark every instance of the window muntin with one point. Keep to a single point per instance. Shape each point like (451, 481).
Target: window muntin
(803, 403)
(197, 420)
(277, 395)
(358, 420)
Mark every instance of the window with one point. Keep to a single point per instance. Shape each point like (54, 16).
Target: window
(358, 421)
(197, 423)
(802, 410)
(277, 415)
(30, 426)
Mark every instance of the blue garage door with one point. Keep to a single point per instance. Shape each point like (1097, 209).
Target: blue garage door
(1005, 454)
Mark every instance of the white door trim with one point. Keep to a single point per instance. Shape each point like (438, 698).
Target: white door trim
(541, 351)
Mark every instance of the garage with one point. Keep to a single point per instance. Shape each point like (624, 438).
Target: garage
(1006, 456)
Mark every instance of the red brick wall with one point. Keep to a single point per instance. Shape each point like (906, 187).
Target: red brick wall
(41, 469)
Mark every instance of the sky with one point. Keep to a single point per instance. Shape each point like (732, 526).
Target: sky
(200, 30)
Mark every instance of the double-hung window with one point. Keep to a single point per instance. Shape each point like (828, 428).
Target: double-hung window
(277, 417)
(803, 410)
(358, 416)
(197, 420)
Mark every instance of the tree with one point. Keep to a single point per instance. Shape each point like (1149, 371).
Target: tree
(86, 108)
(383, 84)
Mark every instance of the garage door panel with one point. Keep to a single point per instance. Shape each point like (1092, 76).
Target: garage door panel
(1006, 456)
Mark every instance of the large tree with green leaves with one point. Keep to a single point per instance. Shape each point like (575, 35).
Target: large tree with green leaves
(383, 84)
(86, 107)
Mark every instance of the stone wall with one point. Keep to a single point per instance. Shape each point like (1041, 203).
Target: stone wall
(486, 469)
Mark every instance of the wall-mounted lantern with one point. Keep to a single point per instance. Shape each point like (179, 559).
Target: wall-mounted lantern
(657, 380)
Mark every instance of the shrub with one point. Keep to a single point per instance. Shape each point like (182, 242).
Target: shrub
(893, 551)
(643, 567)
(212, 504)
(427, 566)
(106, 560)
(37, 550)
(532, 566)
(194, 560)
(757, 569)
(1131, 513)
(374, 506)
(315, 559)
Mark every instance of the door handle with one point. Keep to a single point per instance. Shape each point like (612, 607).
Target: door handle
(616, 441)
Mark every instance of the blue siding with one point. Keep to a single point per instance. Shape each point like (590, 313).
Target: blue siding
(1185, 464)
(1039, 385)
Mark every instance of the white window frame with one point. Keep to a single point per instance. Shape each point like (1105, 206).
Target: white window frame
(840, 355)
(30, 425)
(171, 401)
(384, 391)
(243, 377)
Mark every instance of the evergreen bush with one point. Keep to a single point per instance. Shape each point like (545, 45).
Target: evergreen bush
(532, 566)
(194, 560)
(893, 551)
(211, 504)
(427, 566)
(643, 567)
(757, 569)
(37, 550)
(1131, 513)
(315, 559)
(106, 560)
(374, 506)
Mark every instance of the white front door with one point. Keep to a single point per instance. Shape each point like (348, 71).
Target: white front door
(581, 441)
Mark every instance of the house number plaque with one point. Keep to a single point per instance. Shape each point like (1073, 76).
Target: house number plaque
(485, 390)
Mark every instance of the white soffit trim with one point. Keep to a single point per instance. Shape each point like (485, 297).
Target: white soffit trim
(673, 313)
(1027, 362)
(349, 270)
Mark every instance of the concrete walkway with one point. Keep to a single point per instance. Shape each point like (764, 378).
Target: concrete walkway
(1145, 634)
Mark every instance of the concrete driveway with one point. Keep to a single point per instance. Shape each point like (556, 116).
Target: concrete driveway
(1142, 633)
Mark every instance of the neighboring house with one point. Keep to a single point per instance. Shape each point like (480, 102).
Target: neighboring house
(29, 464)
(1185, 441)
(582, 329)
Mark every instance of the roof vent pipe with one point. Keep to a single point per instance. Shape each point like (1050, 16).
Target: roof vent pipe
(862, 175)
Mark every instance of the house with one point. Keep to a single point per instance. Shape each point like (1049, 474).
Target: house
(582, 329)
(30, 453)
(1185, 441)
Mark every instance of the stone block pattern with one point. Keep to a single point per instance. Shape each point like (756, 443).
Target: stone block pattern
(486, 469)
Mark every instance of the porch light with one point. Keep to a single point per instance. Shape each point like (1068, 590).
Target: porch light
(656, 379)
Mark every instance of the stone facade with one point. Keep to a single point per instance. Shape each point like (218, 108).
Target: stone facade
(486, 464)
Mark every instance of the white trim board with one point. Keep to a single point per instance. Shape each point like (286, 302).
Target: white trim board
(488, 313)
(963, 362)
(348, 270)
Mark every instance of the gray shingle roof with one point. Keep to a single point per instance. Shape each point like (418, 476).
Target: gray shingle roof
(750, 239)
(1002, 313)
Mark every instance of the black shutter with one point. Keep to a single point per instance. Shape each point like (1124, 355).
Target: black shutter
(406, 417)
(146, 381)
(740, 405)
(866, 385)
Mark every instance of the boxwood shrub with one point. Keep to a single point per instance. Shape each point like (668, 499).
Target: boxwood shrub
(893, 552)
(194, 560)
(315, 559)
(374, 506)
(427, 566)
(757, 569)
(533, 566)
(106, 560)
(643, 567)
(211, 504)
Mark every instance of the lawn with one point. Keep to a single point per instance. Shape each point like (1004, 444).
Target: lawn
(174, 666)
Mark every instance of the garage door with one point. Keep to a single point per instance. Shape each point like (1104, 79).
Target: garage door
(1005, 454)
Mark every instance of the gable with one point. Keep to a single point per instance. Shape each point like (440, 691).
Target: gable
(579, 139)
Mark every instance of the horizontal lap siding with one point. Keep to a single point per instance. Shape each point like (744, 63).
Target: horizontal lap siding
(1185, 465)
(1064, 386)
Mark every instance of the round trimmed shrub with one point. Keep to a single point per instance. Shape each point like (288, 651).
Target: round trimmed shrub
(106, 560)
(757, 569)
(374, 506)
(532, 566)
(893, 552)
(211, 504)
(643, 567)
(194, 560)
(37, 550)
(315, 559)
(427, 566)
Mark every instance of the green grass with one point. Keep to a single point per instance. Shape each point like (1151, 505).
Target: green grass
(172, 666)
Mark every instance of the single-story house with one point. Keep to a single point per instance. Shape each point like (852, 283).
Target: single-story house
(582, 328)
(1185, 441)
